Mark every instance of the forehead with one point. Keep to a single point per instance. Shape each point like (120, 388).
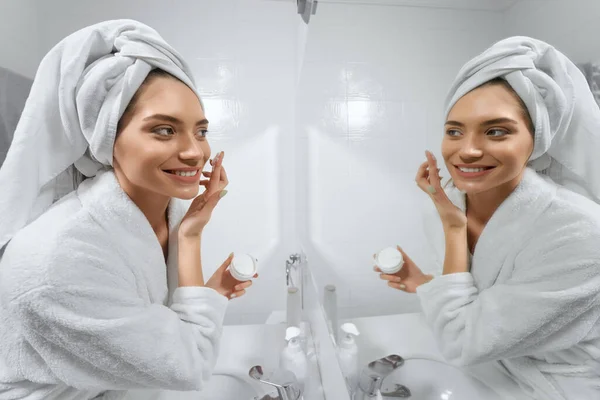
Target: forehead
(491, 101)
(168, 95)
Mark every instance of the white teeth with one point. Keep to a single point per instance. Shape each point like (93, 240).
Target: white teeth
(186, 173)
(471, 169)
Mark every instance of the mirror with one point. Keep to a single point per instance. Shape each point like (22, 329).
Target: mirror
(370, 102)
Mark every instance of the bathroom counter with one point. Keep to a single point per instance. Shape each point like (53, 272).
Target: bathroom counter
(406, 335)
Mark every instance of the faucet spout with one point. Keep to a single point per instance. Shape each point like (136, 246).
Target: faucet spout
(372, 376)
(284, 381)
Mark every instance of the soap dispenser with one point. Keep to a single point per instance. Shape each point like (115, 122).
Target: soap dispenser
(292, 357)
(348, 355)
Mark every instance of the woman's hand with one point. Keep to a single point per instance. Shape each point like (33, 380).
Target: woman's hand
(408, 278)
(227, 285)
(201, 208)
(428, 179)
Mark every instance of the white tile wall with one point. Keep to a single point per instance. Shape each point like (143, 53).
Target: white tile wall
(369, 104)
(371, 101)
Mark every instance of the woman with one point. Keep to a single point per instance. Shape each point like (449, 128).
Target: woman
(101, 289)
(519, 228)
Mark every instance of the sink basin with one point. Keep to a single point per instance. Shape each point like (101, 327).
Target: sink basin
(433, 380)
(220, 387)
(226, 387)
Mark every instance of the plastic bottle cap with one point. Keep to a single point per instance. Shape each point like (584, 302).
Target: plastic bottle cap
(389, 260)
(243, 267)
(292, 332)
(350, 329)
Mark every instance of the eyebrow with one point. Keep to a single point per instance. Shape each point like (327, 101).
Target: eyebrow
(486, 123)
(172, 119)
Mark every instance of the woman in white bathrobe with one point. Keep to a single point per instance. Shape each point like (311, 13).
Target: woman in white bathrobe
(103, 291)
(516, 233)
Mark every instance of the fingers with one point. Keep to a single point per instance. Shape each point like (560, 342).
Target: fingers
(224, 179)
(242, 286)
(227, 262)
(393, 281)
(390, 278)
(404, 255)
(213, 200)
(240, 289)
(434, 176)
(398, 286)
(235, 295)
(215, 175)
(422, 177)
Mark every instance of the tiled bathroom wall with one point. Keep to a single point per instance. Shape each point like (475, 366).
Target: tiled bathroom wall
(370, 102)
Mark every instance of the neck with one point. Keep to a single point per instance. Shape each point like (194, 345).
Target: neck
(153, 206)
(481, 206)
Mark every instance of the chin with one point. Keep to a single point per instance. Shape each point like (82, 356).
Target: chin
(186, 194)
(470, 187)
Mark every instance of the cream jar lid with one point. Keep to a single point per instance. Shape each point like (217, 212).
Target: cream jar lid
(389, 260)
(243, 267)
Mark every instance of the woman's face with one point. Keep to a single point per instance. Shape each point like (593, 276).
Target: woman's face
(487, 142)
(161, 147)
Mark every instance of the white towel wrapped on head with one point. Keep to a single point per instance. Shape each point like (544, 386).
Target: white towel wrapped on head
(80, 91)
(561, 105)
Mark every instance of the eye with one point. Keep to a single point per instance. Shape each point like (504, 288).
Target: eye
(452, 132)
(497, 132)
(203, 132)
(164, 131)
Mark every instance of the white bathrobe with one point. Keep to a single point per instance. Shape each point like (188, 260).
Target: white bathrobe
(86, 309)
(531, 301)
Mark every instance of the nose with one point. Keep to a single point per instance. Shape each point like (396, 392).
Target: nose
(190, 148)
(470, 149)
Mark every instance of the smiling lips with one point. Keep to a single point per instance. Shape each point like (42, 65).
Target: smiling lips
(473, 171)
(184, 175)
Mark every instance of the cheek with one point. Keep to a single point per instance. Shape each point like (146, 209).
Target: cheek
(135, 154)
(448, 148)
(205, 150)
(515, 153)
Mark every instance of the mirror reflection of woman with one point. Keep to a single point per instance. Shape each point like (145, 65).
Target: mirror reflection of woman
(517, 230)
(102, 288)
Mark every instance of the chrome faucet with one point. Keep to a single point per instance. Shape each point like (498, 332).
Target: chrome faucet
(284, 381)
(371, 378)
(293, 262)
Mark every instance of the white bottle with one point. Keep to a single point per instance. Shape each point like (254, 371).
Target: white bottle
(292, 357)
(313, 389)
(348, 355)
(389, 260)
(243, 267)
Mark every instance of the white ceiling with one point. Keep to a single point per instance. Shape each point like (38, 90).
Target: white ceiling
(490, 5)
